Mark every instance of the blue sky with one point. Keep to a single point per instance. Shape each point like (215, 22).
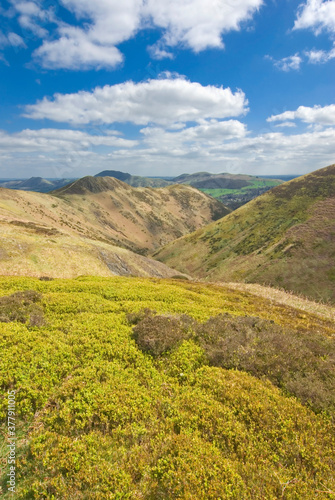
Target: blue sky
(160, 88)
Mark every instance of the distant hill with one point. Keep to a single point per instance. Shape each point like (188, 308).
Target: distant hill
(37, 184)
(94, 226)
(285, 238)
(140, 219)
(135, 180)
(234, 190)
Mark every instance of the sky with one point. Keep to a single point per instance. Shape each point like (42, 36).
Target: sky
(160, 88)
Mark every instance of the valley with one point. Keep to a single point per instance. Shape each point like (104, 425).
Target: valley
(284, 238)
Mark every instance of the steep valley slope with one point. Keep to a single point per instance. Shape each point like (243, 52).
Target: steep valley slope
(284, 238)
(94, 226)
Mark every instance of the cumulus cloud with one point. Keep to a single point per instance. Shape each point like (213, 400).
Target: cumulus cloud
(199, 24)
(316, 115)
(32, 17)
(320, 56)
(56, 140)
(287, 63)
(104, 24)
(162, 101)
(75, 50)
(211, 145)
(317, 15)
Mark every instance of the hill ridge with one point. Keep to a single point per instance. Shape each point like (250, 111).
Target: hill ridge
(285, 238)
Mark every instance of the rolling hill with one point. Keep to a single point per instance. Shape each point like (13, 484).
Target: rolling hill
(134, 180)
(140, 219)
(285, 238)
(37, 184)
(93, 225)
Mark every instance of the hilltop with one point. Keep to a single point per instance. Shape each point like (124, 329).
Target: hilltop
(94, 226)
(135, 180)
(285, 238)
(140, 219)
(37, 184)
(160, 389)
(232, 190)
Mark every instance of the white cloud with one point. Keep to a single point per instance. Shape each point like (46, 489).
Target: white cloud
(320, 56)
(212, 145)
(157, 52)
(199, 24)
(286, 124)
(287, 63)
(75, 50)
(317, 15)
(32, 17)
(16, 40)
(162, 101)
(56, 140)
(316, 115)
(104, 24)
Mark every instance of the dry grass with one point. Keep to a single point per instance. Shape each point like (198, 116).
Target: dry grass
(275, 295)
(27, 253)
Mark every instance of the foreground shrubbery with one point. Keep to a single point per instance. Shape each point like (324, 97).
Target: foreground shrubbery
(22, 307)
(303, 363)
(100, 418)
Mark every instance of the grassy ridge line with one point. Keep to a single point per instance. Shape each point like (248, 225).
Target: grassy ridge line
(285, 298)
(284, 238)
(107, 422)
(25, 252)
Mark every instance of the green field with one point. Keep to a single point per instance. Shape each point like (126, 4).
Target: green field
(254, 185)
(115, 402)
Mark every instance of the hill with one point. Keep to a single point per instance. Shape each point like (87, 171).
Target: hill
(37, 184)
(158, 389)
(140, 219)
(81, 228)
(233, 190)
(285, 238)
(135, 180)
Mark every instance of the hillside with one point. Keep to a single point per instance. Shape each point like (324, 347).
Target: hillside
(285, 238)
(234, 190)
(140, 219)
(37, 184)
(158, 389)
(134, 180)
(80, 229)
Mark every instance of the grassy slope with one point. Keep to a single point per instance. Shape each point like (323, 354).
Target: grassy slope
(106, 209)
(283, 238)
(141, 219)
(99, 419)
(79, 231)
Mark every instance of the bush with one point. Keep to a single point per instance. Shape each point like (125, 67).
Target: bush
(22, 307)
(302, 363)
(159, 334)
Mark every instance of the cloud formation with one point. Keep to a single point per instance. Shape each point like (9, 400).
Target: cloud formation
(317, 15)
(162, 101)
(194, 24)
(212, 145)
(320, 56)
(316, 115)
(287, 63)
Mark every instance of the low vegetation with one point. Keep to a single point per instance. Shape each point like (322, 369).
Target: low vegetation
(302, 363)
(284, 238)
(116, 402)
